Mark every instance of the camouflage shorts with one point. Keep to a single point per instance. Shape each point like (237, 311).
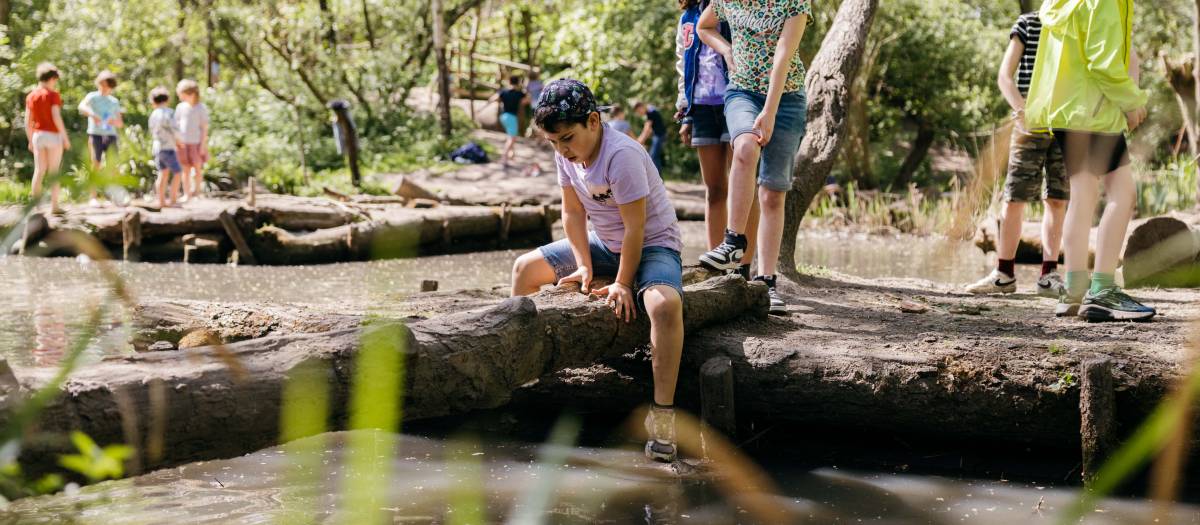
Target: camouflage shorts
(1032, 159)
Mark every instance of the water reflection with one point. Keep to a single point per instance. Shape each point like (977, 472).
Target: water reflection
(427, 479)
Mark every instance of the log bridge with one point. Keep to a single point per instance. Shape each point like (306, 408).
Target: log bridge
(280, 230)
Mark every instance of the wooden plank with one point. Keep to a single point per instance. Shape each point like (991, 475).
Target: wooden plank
(235, 234)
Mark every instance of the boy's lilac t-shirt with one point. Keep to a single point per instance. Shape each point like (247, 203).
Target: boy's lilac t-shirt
(623, 173)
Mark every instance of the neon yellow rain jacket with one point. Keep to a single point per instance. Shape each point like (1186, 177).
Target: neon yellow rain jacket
(1081, 77)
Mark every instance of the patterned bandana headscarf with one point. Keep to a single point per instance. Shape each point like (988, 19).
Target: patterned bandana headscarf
(570, 98)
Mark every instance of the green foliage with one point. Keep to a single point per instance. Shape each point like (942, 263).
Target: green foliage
(1171, 188)
(93, 462)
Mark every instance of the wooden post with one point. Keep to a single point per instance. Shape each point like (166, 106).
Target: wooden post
(250, 195)
(1097, 413)
(471, 58)
(443, 73)
(505, 222)
(349, 136)
(716, 396)
(131, 235)
(429, 286)
(235, 234)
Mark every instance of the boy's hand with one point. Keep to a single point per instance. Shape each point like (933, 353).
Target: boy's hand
(583, 276)
(95, 119)
(620, 299)
(66, 142)
(764, 126)
(685, 134)
(1135, 118)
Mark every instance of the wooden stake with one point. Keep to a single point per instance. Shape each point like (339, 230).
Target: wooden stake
(1097, 413)
(235, 234)
(131, 235)
(716, 396)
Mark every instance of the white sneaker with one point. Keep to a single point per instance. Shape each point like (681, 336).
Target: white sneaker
(995, 282)
(1051, 285)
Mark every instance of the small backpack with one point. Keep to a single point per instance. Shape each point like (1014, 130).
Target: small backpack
(469, 153)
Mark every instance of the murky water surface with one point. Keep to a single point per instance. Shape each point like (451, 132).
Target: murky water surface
(420, 480)
(47, 302)
(48, 299)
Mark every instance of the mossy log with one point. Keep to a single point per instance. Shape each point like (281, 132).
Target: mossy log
(1163, 251)
(225, 400)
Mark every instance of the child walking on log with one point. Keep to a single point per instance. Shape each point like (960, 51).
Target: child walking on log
(766, 112)
(104, 115)
(609, 179)
(45, 132)
(1033, 157)
(166, 144)
(703, 79)
(1084, 91)
(191, 116)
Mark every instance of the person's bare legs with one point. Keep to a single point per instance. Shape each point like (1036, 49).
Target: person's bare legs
(714, 169)
(46, 163)
(1077, 227)
(1120, 192)
(531, 272)
(160, 187)
(770, 231)
(176, 182)
(752, 230)
(1052, 228)
(1009, 236)
(198, 183)
(665, 308)
(510, 148)
(746, 152)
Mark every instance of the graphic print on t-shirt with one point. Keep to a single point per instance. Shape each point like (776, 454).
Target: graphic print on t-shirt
(756, 26)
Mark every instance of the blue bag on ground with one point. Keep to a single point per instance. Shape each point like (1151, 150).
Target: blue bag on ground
(469, 153)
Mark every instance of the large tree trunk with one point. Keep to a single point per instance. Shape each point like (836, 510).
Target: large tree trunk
(920, 150)
(1183, 82)
(828, 86)
(443, 69)
(225, 400)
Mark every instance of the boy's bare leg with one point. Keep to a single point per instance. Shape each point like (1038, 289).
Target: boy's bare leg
(746, 153)
(53, 158)
(1077, 227)
(176, 182)
(160, 187)
(770, 231)
(530, 273)
(752, 230)
(1010, 230)
(714, 169)
(1052, 228)
(198, 184)
(1121, 193)
(665, 307)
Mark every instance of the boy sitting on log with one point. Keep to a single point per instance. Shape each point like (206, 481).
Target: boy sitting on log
(609, 179)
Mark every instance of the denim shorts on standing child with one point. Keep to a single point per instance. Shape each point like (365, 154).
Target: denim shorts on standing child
(779, 155)
(659, 265)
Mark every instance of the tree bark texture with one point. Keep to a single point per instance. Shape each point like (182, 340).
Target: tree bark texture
(828, 87)
(916, 156)
(443, 69)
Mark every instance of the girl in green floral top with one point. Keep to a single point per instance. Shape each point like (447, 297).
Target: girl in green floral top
(765, 109)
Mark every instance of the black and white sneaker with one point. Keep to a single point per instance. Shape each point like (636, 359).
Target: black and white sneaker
(727, 255)
(995, 282)
(660, 426)
(778, 307)
(1051, 285)
(1113, 304)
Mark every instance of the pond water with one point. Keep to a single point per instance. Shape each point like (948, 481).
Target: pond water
(332, 478)
(48, 298)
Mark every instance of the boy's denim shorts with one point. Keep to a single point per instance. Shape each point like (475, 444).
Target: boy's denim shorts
(779, 155)
(167, 160)
(708, 125)
(659, 265)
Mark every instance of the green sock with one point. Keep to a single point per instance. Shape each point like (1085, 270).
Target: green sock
(1077, 284)
(1102, 281)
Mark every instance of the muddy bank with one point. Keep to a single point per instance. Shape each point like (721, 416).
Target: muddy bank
(993, 369)
(279, 229)
(223, 397)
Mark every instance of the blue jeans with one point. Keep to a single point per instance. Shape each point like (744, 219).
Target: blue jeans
(659, 265)
(779, 155)
(656, 151)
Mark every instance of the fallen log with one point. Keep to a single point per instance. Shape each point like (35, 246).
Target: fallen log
(226, 400)
(1029, 248)
(1163, 251)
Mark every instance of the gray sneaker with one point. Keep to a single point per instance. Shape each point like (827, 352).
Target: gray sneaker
(1051, 285)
